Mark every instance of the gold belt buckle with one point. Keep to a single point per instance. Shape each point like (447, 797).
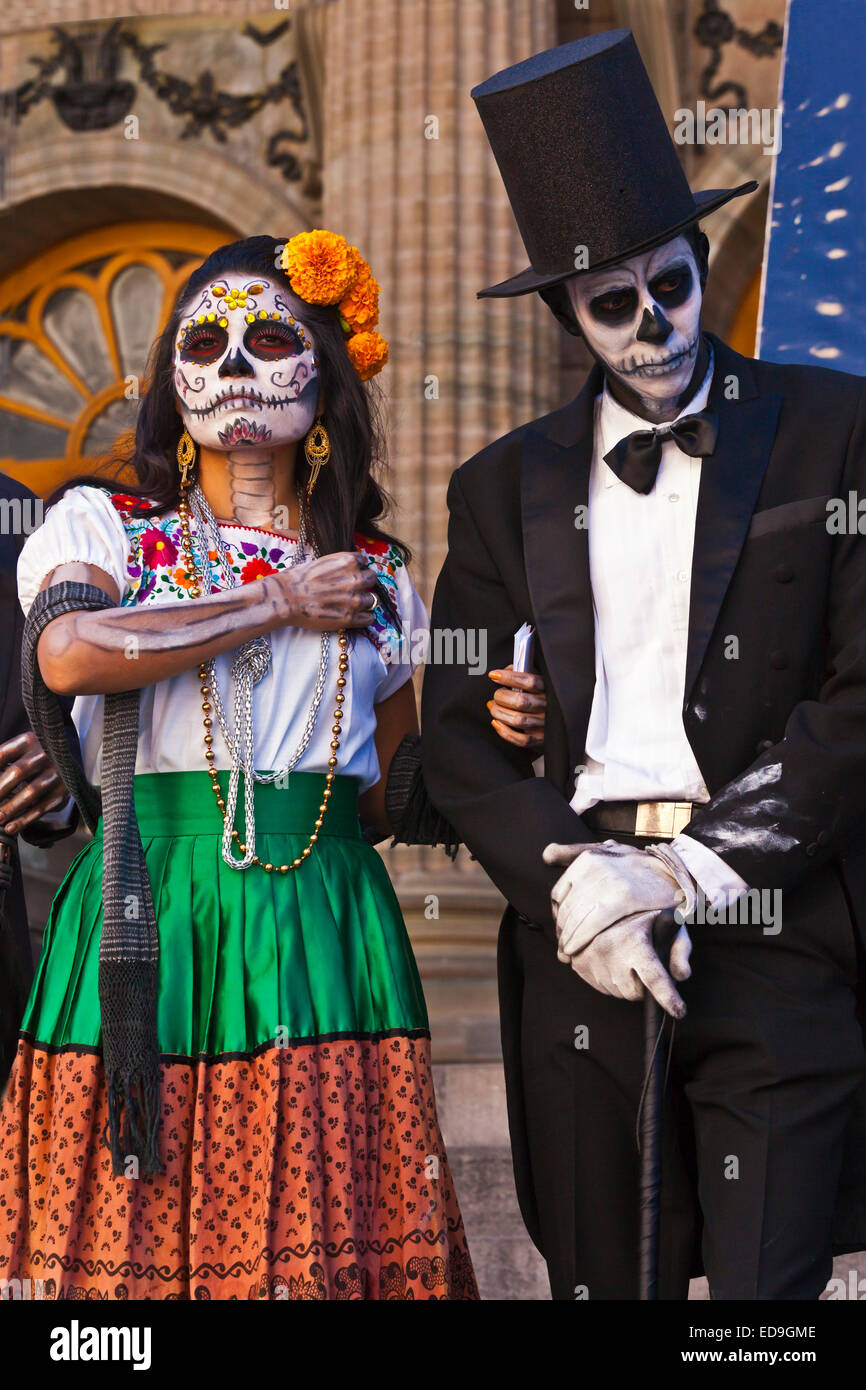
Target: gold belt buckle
(662, 819)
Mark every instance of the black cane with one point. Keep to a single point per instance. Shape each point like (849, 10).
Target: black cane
(665, 928)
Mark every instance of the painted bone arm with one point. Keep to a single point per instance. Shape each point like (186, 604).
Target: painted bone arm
(89, 653)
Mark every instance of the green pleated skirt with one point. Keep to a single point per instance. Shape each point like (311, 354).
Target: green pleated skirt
(246, 956)
(298, 1131)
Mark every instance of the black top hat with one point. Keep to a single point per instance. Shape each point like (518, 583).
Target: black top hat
(587, 159)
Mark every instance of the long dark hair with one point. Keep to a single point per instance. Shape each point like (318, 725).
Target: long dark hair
(347, 497)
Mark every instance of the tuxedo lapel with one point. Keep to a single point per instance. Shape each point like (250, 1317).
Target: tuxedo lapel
(731, 479)
(555, 468)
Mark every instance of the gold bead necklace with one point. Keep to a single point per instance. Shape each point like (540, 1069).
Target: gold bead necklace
(343, 665)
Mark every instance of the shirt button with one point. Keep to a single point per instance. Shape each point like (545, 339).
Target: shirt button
(673, 497)
(682, 576)
(778, 660)
(783, 574)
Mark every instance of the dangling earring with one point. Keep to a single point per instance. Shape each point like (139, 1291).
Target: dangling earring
(317, 447)
(185, 457)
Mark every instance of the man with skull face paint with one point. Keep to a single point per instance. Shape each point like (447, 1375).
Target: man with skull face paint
(701, 640)
(641, 319)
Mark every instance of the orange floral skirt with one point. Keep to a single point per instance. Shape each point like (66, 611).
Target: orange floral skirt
(309, 1172)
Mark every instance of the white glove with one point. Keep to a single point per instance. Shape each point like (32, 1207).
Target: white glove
(604, 906)
(604, 883)
(622, 961)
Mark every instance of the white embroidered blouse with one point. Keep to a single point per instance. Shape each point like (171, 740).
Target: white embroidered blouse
(142, 555)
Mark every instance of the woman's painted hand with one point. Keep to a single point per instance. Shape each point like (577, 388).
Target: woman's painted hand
(330, 593)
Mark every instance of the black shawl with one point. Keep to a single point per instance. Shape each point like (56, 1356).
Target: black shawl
(129, 948)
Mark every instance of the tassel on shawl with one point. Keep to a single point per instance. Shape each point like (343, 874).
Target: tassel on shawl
(412, 815)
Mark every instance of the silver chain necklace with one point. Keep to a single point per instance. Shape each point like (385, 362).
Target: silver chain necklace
(252, 661)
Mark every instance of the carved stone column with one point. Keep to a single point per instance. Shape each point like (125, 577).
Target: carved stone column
(655, 25)
(409, 177)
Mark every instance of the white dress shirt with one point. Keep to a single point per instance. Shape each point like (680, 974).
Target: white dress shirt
(640, 561)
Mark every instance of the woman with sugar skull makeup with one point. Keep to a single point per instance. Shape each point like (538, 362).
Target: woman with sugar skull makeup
(701, 637)
(248, 1111)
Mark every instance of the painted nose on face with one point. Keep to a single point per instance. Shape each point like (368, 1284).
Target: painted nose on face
(236, 365)
(654, 327)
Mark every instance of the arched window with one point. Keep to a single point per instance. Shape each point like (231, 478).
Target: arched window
(76, 325)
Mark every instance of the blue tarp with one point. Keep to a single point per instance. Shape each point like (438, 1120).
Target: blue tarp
(814, 305)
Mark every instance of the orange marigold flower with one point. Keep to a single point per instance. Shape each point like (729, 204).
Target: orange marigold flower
(319, 266)
(357, 264)
(360, 306)
(368, 353)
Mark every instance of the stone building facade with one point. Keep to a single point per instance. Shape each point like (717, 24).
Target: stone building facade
(135, 136)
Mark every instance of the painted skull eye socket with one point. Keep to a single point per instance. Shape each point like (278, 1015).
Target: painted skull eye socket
(270, 340)
(614, 306)
(673, 286)
(204, 343)
(666, 284)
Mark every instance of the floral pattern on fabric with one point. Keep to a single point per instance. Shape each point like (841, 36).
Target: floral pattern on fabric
(388, 562)
(309, 1172)
(155, 569)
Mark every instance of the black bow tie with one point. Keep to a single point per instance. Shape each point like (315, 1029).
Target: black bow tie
(635, 460)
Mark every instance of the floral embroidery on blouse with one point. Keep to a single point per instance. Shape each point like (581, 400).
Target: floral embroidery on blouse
(155, 568)
(388, 562)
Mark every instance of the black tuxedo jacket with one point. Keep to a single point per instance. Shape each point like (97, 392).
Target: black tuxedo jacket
(16, 966)
(779, 732)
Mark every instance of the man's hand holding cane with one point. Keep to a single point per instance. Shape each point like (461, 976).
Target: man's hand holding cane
(604, 907)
